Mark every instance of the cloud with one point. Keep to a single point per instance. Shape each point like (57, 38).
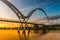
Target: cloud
(45, 2)
(26, 8)
(53, 17)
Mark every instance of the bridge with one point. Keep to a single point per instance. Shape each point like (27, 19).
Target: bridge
(20, 16)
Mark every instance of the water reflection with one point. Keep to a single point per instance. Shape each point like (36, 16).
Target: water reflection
(13, 35)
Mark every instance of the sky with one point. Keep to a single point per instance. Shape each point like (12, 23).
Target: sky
(51, 7)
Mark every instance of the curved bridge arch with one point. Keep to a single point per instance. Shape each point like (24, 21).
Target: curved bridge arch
(14, 9)
(18, 13)
(32, 12)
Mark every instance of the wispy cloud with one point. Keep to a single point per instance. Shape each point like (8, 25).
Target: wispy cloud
(54, 17)
(26, 10)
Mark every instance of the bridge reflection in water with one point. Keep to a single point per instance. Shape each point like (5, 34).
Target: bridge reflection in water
(29, 31)
(13, 35)
(36, 31)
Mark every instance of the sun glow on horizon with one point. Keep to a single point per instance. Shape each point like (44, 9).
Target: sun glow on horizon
(9, 24)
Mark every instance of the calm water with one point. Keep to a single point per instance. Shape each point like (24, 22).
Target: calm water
(13, 35)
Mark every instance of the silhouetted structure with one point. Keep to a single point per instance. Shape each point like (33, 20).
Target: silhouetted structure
(21, 16)
(36, 26)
